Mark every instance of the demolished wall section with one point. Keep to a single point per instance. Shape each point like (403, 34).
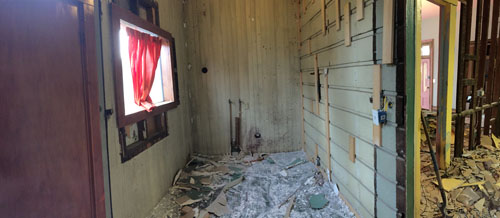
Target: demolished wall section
(369, 171)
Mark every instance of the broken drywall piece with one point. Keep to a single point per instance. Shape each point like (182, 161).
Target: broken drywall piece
(206, 180)
(186, 200)
(188, 212)
(233, 183)
(270, 160)
(450, 184)
(468, 197)
(203, 214)
(219, 206)
(479, 205)
(318, 201)
(496, 141)
(283, 173)
(192, 181)
(290, 207)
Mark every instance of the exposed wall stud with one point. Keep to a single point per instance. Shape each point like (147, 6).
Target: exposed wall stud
(347, 24)
(360, 9)
(327, 122)
(302, 112)
(323, 13)
(388, 34)
(316, 82)
(377, 83)
(336, 5)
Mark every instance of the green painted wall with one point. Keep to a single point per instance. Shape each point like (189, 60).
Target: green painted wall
(350, 87)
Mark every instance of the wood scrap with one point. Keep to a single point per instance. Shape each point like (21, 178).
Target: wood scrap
(186, 200)
(177, 177)
(295, 163)
(290, 207)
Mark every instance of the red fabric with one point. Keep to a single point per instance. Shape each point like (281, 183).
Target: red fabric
(144, 52)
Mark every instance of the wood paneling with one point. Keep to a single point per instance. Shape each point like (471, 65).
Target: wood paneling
(250, 50)
(50, 154)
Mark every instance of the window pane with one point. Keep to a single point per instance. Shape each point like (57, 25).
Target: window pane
(426, 50)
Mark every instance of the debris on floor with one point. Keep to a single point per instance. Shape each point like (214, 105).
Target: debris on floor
(318, 201)
(251, 186)
(472, 184)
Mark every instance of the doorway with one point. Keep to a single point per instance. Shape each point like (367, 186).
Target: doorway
(427, 74)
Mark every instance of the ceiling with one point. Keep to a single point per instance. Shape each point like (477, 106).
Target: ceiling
(429, 9)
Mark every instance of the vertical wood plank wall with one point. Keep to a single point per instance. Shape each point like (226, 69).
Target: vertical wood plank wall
(250, 50)
(350, 75)
(140, 183)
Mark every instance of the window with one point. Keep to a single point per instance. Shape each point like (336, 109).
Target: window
(145, 81)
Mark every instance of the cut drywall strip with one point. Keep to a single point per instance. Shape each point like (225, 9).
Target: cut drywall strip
(352, 148)
(360, 9)
(336, 5)
(316, 83)
(327, 121)
(323, 9)
(347, 24)
(388, 34)
(377, 83)
(302, 111)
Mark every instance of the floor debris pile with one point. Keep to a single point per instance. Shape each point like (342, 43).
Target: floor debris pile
(472, 183)
(274, 185)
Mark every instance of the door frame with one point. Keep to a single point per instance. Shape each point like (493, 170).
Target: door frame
(430, 42)
(413, 24)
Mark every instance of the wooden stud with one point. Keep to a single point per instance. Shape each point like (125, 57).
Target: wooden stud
(316, 83)
(327, 122)
(347, 24)
(360, 9)
(445, 85)
(323, 13)
(377, 83)
(336, 5)
(352, 148)
(302, 112)
(388, 34)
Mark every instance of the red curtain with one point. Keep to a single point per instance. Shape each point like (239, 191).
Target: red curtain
(144, 52)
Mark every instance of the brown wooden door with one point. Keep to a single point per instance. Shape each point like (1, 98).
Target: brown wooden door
(50, 152)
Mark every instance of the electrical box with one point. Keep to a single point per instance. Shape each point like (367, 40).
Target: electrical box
(379, 117)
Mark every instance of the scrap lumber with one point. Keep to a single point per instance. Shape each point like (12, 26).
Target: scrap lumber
(290, 207)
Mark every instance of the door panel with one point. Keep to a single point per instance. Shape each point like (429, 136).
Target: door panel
(426, 88)
(50, 158)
